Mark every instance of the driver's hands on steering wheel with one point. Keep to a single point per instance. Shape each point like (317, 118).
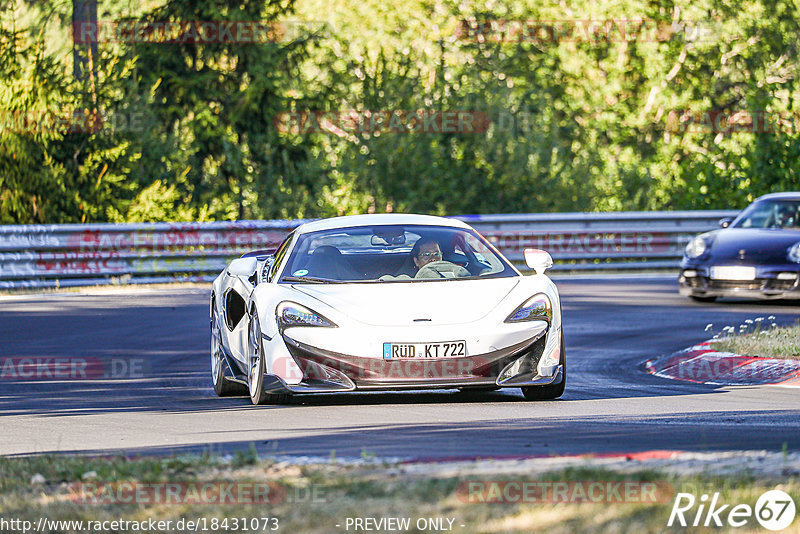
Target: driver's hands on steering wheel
(442, 269)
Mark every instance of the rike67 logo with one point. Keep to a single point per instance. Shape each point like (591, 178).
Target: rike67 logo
(774, 510)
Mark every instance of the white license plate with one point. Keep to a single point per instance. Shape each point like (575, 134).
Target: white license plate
(733, 272)
(444, 349)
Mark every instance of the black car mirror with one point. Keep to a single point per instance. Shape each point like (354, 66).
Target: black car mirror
(388, 236)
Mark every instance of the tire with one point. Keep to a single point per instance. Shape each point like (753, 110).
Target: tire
(550, 391)
(223, 386)
(698, 298)
(257, 367)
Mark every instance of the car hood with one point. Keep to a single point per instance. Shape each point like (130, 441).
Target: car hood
(760, 246)
(405, 303)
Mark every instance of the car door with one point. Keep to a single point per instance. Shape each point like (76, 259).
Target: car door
(234, 299)
(238, 295)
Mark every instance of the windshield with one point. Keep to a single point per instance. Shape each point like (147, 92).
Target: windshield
(770, 214)
(397, 253)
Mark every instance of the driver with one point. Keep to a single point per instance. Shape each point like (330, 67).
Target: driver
(427, 258)
(785, 217)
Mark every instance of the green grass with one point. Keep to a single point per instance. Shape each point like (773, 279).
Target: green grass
(320, 496)
(767, 341)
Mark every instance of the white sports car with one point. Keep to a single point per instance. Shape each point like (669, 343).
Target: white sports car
(385, 302)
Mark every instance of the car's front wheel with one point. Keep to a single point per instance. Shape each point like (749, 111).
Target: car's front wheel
(550, 391)
(257, 368)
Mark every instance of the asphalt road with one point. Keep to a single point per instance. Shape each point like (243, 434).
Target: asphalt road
(144, 356)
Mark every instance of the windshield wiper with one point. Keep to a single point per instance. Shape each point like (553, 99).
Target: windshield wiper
(309, 280)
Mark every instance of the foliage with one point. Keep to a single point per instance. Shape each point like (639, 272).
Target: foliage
(158, 202)
(757, 337)
(54, 165)
(581, 121)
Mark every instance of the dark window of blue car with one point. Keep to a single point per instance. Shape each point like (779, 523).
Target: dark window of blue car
(777, 214)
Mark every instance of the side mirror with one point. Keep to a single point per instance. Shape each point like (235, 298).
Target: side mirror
(243, 267)
(538, 260)
(725, 222)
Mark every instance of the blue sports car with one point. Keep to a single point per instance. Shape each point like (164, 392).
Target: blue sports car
(755, 255)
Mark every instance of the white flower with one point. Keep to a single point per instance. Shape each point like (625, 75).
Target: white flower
(708, 327)
(748, 321)
(759, 319)
(771, 317)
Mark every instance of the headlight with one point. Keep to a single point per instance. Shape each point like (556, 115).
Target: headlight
(538, 307)
(292, 314)
(696, 247)
(793, 254)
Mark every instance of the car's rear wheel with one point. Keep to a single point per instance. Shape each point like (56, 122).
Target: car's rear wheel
(223, 386)
(550, 391)
(698, 298)
(257, 368)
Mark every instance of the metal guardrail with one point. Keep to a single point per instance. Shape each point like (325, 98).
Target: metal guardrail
(90, 254)
(632, 240)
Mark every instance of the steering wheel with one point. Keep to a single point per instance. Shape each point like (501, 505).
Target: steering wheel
(442, 269)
